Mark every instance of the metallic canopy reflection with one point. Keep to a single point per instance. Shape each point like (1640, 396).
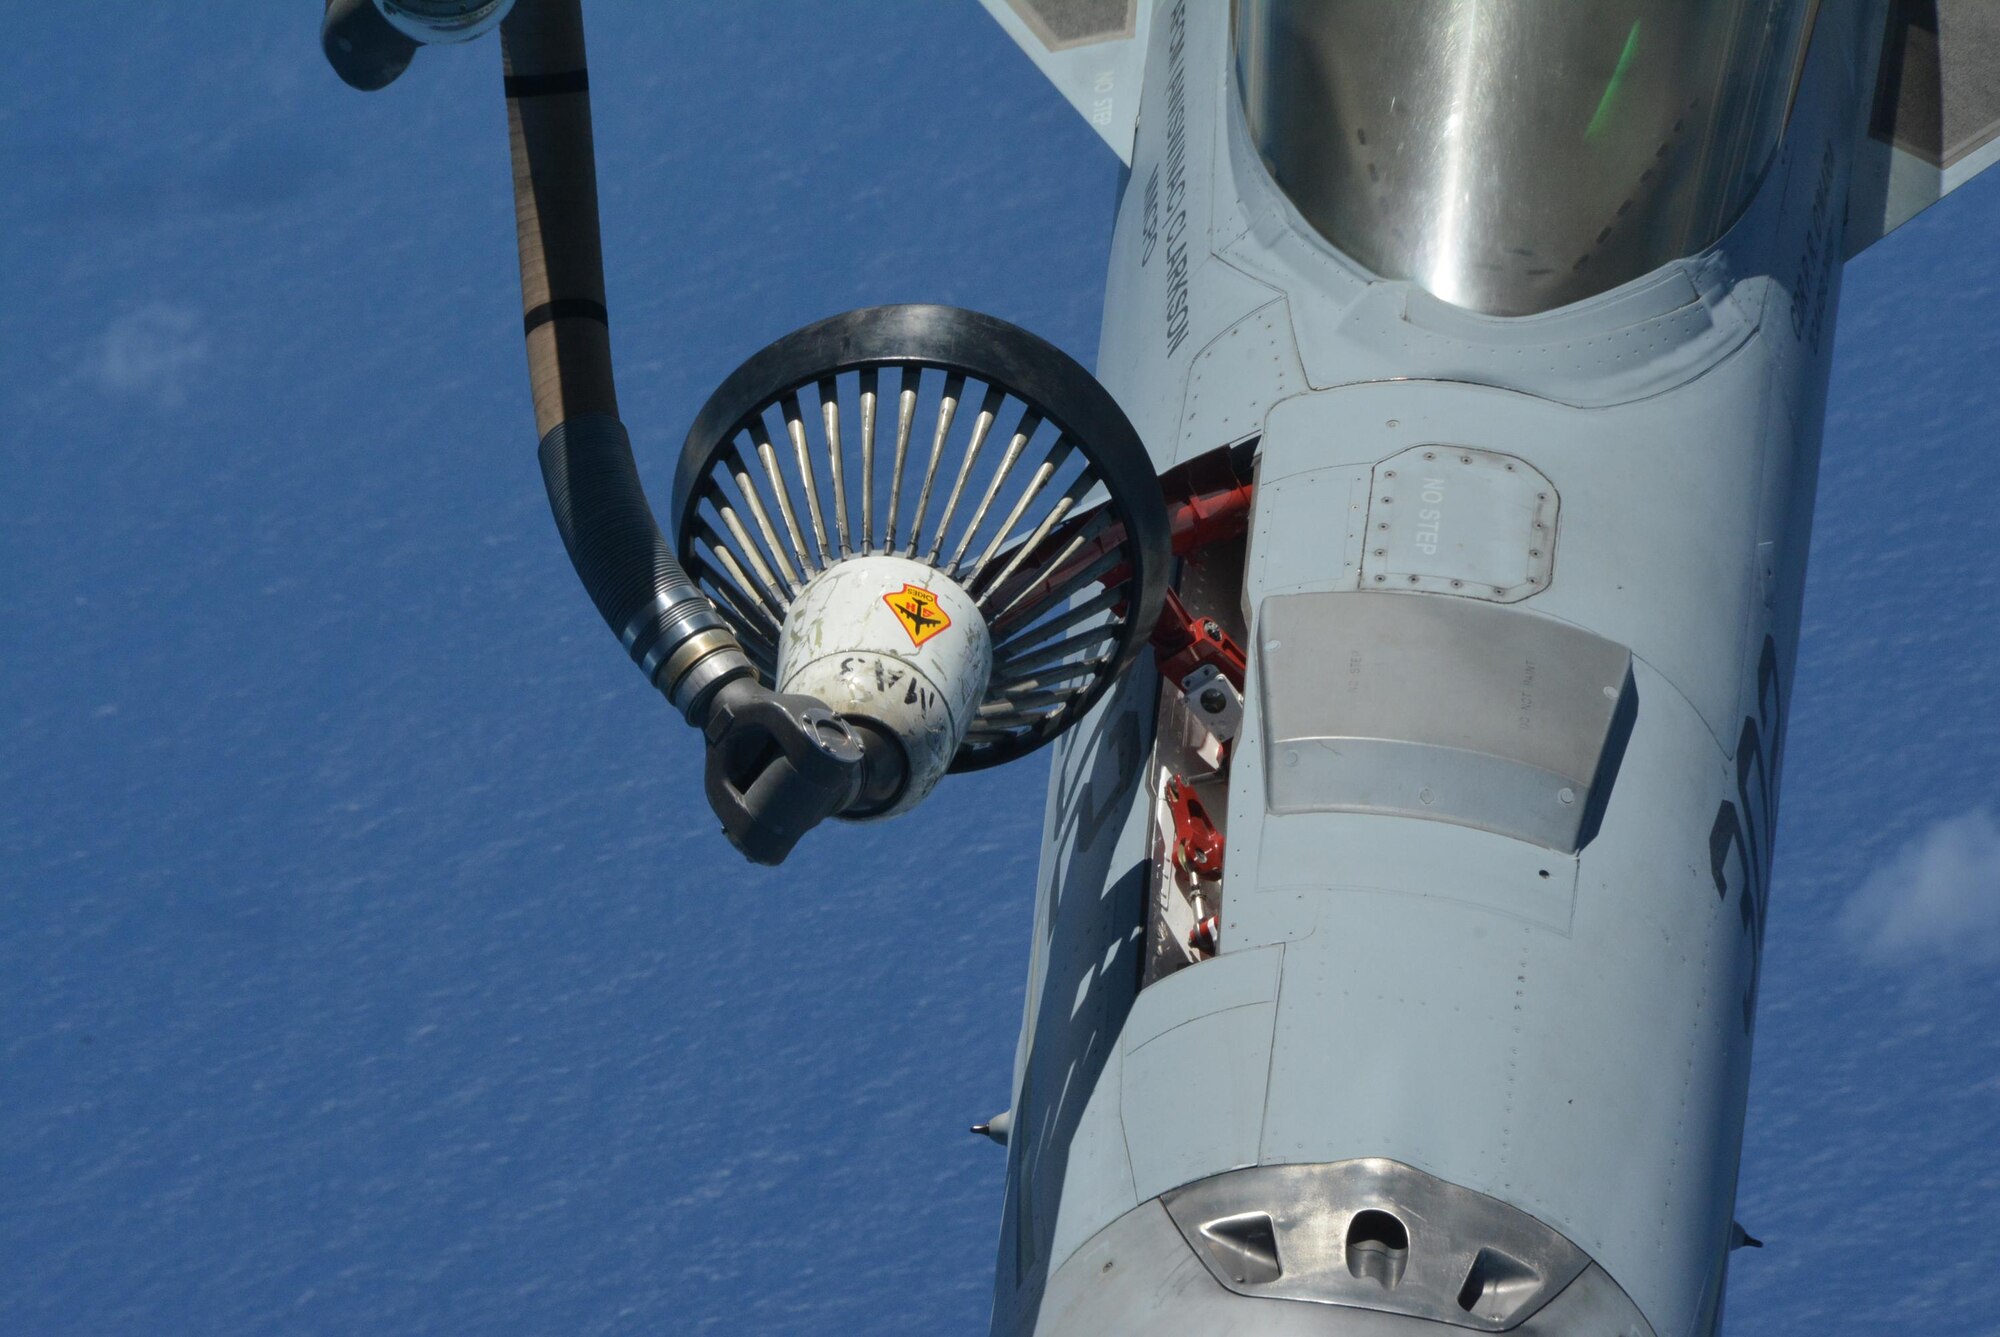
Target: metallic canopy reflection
(1514, 157)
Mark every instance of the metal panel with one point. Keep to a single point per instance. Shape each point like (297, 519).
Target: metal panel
(1315, 853)
(1061, 24)
(1440, 708)
(1568, 1073)
(1093, 51)
(1139, 1275)
(1447, 519)
(1083, 975)
(1196, 1053)
(1376, 1234)
(1098, 1185)
(1315, 525)
(1194, 1098)
(1231, 981)
(1935, 123)
(1236, 377)
(1660, 506)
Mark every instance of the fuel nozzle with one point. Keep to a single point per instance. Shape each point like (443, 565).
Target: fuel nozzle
(779, 764)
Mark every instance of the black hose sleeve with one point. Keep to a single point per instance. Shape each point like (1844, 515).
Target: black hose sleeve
(623, 560)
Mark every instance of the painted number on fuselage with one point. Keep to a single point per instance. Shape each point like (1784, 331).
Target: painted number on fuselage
(1744, 825)
(1815, 269)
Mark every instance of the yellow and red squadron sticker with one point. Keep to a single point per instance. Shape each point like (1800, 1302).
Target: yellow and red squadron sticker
(917, 609)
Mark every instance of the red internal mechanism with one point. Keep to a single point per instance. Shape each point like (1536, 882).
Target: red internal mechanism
(1208, 501)
(1206, 936)
(1198, 646)
(1197, 844)
(1183, 642)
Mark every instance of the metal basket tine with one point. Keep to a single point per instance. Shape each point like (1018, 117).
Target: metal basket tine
(1040, 591)
(1038, 480)
(746, 483)
(906, 410)
(767, 454)
(829, 413)
(749, 623)
(1034, 633)
(982, 427)
(763, 587)
(1026, 549)
(795, 426)
(954, 389)
(1043, 655)
(868, 393)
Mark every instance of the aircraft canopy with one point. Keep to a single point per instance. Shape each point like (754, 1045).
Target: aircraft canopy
(1512, 158)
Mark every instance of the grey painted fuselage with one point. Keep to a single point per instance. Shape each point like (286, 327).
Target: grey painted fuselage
(1521, 602)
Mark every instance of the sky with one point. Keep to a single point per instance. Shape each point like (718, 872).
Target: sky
(368, 959)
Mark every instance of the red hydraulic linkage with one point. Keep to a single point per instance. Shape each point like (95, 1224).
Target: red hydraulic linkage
(1208, 500)
(1205, 938)
(1197, 844)
(1183, 642)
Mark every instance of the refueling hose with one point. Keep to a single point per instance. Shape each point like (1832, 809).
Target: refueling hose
(777, 764)
(666, 623)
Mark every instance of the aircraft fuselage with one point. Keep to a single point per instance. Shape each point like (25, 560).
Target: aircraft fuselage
(1520, 599)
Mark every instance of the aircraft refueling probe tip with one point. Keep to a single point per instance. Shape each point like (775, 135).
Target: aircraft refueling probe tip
(996, 1127)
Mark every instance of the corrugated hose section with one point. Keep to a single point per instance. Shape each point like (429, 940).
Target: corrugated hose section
(616, 545)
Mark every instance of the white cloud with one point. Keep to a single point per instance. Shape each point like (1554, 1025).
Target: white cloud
(152, 353)
(1937, 899)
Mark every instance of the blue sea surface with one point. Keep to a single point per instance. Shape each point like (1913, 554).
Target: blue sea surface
(369, 961)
